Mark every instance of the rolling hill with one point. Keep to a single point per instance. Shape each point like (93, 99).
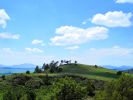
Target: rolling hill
(92, 72)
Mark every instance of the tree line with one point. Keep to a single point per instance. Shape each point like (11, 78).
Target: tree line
(53, 66)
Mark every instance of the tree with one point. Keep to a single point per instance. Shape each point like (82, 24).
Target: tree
(37, 70)
(75, 62)
(43, 66)
(61, 62)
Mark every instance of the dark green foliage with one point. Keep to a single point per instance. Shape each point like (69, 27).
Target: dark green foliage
(75, 62)
(9, 96)
(96, 66)
(3, 77)
(70, 90)
(121, 89)
(119, 73)
(31, 95)
(90, 88)
(14, 93)
(37, 70)
(33, 83)
(20, 79)
(60, 69)
(46, 80)
(27, 72)
(46, 67)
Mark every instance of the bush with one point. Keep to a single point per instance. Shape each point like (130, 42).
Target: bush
(27, 72)
(70, 90)
(60, 69)
(3, 77)
(14, 93)
(33, 83)
(20, 79)
(119, 73)
(121, 89)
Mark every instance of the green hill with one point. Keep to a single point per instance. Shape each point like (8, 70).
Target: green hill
(92, 72)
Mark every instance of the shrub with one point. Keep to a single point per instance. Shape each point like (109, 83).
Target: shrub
(27, 72)
(121, 89)
(3, 77)
(96, 66)
(33, 83)
(60, 69)
(119, 73)
(70, 90)
(20, 79)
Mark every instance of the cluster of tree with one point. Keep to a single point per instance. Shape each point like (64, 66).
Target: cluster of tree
(121, 89)
(53, 66)
(22, 87)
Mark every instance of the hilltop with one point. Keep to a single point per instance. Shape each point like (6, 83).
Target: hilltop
(89, 71)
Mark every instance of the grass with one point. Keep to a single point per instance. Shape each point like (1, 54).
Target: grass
(89, 71)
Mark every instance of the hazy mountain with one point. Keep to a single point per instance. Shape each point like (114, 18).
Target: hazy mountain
(124, 67)
(5, 69)
(26, 65)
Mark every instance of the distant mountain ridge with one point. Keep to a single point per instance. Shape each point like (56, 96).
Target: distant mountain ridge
(5, 69)
(26, 65)
(124, 67)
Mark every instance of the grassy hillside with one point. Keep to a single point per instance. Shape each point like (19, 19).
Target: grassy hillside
(92, 72)
(80, 82)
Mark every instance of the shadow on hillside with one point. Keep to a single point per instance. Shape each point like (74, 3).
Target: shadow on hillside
(104, 74)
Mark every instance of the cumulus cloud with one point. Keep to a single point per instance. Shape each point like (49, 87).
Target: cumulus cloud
(72, 47)
(9, 36)
(35, 50)
(124, 1)
(113, 19)
(70, 35)
(36, 41)
(3, 18)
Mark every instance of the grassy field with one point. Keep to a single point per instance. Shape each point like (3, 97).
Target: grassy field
(89, 71)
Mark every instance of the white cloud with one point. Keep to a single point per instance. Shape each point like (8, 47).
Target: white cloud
(70, 35)
(36, 41)
(113, 19)
(72, 47)
(124, 1)
(9, 36)
(34, 50)
(3, 18)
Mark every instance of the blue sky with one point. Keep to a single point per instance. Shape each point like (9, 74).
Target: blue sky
(89, 31)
